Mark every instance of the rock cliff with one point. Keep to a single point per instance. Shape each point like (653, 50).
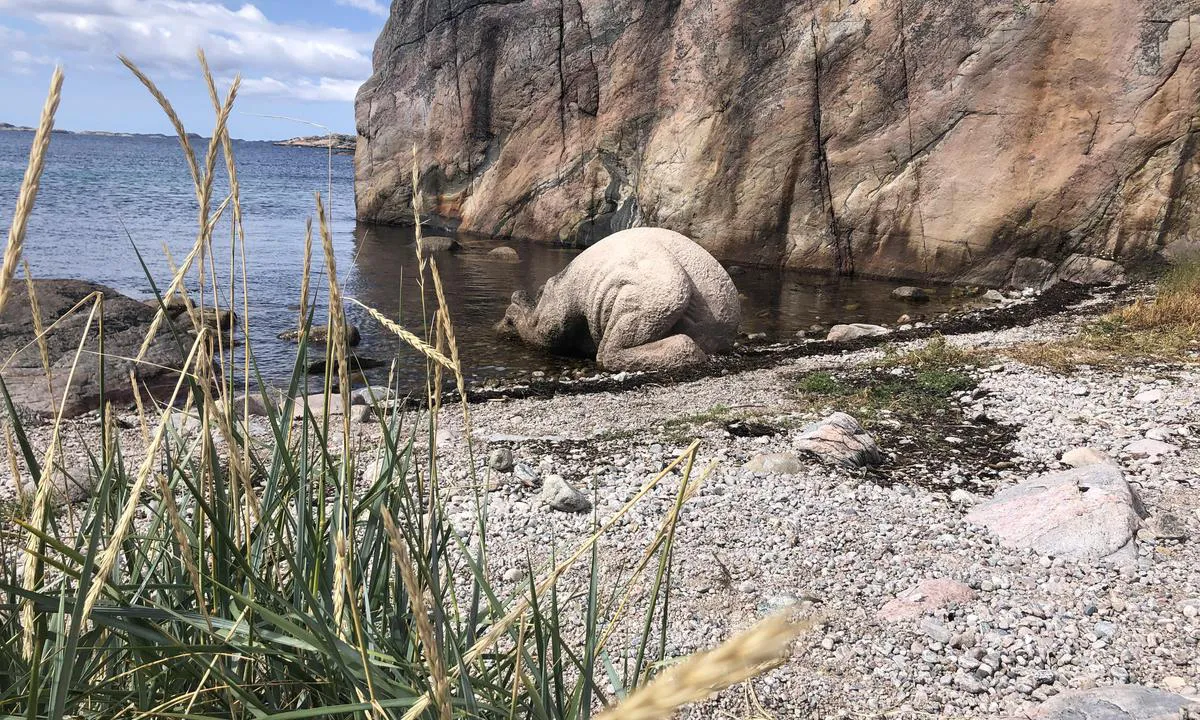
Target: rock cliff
(901, 138)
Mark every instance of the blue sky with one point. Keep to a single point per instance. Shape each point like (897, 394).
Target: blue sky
(299, 59)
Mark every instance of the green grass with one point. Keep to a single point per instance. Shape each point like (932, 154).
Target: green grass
(915, 383)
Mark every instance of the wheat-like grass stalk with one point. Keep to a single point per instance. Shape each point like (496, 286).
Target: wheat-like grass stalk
(703, 675)
(13, 467)
(184, 140)
(29, 187)
(417, 343)
(306, 274)
(337, 314)
(203, 188)
(32, 566)
(433, 655)
(340, 559)
(108, 559)
(38, 328)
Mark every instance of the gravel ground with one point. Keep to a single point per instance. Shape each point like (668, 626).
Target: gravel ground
(842, 543)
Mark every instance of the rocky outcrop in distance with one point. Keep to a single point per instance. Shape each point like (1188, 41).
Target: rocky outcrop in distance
(902, 138)
(337, 142)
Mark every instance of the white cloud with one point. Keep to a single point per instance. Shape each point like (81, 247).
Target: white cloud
(375, 7)
(308, 63)
(323, 89)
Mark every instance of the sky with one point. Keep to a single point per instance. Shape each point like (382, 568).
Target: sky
(296, 58)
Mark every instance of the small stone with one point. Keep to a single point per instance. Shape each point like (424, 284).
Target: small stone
(935, 630)
(1148, 448)
(1166, 525)
(840, 439)
(827, 643)
(775, 464)
(1159, 433)
(927, 596)
(501, 460)
(747, 586)
(513, 574)
(1084, 456)
(854, 331)
(67, 485)
(562, 496)
(994, 296)
(1149, 397)
(968, 683)
(525, 474)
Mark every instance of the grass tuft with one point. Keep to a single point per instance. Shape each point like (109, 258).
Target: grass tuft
(1165, 328)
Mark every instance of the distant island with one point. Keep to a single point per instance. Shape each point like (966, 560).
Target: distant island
(339, 142)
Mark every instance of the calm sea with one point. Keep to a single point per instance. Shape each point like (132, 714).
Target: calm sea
(101, 197)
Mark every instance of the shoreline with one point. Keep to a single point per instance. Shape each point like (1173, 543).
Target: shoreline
(846, 543)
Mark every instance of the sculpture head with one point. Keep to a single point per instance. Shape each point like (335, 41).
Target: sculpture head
(515, 317)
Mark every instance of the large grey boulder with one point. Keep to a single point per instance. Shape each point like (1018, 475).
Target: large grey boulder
(126, 322)
(1030, 272)
(642, 299)
(841, 440)
(1121, 702)
(1086, 270)
(1088, 513)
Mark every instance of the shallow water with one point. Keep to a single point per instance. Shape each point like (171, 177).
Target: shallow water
(102, 196)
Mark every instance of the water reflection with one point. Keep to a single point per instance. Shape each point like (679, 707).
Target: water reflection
(478, 288)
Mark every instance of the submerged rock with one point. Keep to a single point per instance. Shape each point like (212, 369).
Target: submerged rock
(438, 243)
(319, 334)
(910, 293)
(504, 254)
(126, 322)
(622, 301)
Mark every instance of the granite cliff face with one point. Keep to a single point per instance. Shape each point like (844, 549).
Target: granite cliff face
(903, 138)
